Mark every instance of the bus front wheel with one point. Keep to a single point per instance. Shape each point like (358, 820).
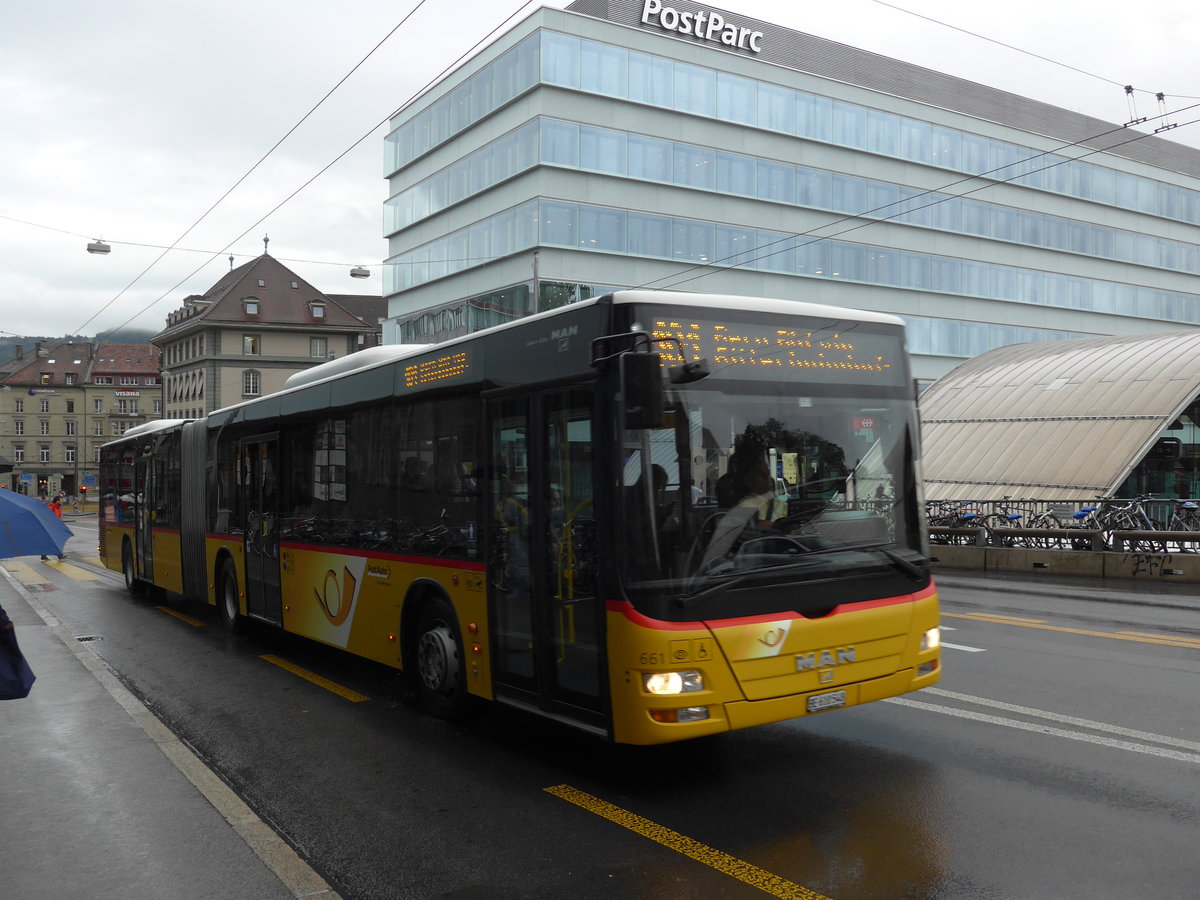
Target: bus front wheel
(133, 584)
(441, 675)
(227, 599)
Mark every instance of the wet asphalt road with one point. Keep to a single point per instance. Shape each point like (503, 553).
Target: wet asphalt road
(1057, 758)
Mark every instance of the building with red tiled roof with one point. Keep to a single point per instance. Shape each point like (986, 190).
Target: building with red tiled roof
(256, 326)
(59, 403)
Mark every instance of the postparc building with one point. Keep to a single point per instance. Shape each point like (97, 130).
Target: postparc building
(666, 144)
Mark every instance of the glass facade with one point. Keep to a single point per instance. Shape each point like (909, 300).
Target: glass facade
(494, 308)
(588, 148)
(578, 63)
(709, 92)
(579, 226)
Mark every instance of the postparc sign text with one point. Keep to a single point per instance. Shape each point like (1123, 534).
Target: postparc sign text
(706, 25)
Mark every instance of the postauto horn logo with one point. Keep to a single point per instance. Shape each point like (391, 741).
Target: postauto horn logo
(705, 24)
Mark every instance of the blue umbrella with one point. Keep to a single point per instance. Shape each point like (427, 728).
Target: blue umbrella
(29, 528)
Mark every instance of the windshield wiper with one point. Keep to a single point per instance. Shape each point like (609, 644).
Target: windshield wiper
(683, 601)
(905, 565)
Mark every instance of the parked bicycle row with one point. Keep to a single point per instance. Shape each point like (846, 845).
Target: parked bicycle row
(1106, 524)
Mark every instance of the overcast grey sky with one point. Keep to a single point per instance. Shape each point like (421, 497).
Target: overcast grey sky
(127, 120)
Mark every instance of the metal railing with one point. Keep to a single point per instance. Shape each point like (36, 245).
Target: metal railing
(1141, 524)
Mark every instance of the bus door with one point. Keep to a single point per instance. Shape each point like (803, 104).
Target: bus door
(546, 614)
(258, 476)
(142, 506)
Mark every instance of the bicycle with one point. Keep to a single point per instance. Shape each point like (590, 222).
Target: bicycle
(1185, 516)
(955, 515)
(1088, 518)
(996, 523)
(1131, 516)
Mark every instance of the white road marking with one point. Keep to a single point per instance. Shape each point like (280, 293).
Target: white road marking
(964, 647)
(1104, 727)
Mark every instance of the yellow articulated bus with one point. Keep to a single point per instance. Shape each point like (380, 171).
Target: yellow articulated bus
(650, 515)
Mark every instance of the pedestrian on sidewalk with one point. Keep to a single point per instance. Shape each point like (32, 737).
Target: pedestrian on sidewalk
(55, 505)
(16, 678)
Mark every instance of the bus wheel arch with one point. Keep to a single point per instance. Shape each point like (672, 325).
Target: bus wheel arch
(434, 653)
(228, 595)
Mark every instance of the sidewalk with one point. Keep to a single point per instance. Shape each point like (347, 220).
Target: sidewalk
(1146, 592)
(99, 799)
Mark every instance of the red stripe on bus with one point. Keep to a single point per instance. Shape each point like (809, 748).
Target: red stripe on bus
(398, 557)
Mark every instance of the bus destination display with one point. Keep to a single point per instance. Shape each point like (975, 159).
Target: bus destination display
(841, 355)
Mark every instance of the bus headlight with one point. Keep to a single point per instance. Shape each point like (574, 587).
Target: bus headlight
(932, 639)
(663, 683)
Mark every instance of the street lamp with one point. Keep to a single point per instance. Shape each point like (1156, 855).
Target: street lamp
(98, 247)
(360, 272)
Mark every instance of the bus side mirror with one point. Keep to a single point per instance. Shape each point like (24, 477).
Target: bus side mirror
(642, 390)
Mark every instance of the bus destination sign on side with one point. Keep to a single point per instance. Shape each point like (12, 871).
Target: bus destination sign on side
(439, 368)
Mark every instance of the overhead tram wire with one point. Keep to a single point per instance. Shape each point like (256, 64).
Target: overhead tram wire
(332, 162)
(999, 43)
(717, 263)
(251, 170)
(209, 253)
(817, 238)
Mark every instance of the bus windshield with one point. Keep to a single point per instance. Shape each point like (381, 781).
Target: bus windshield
(754, 481)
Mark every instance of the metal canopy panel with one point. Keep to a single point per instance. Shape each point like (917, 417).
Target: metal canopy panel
(1064, 420)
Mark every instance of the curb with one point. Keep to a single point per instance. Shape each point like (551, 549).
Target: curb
(275, 853)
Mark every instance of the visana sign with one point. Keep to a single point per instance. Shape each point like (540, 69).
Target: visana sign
(706, 25)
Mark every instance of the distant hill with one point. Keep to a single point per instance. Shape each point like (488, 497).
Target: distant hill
(9, 343)
(125, 336)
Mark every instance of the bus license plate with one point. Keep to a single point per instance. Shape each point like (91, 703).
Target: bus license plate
(832, 700)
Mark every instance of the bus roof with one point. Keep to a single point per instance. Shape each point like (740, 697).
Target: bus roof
(149, 428)
(352, 362)
(757, 304)
(378, 356)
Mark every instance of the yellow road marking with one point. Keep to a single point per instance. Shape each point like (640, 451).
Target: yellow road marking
(996, 617)
(74, 572)
(26, 575)
(1164, 640)
(319, 681)
(1182, 641)
(195, 623)
(722, 862)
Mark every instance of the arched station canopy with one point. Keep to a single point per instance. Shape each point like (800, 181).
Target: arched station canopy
(1060, 420)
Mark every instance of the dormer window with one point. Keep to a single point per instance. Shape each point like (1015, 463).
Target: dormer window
(318, 309)
(250, 306)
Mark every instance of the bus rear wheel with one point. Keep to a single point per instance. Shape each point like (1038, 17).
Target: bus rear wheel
(133, 584)
(227, 599)
(441, 674)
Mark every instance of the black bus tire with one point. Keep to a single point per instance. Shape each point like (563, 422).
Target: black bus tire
(440, 665)
(133, 584)
(227, 599)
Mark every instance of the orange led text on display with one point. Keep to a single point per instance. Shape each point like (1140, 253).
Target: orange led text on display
(436, 369)
(738, 346)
